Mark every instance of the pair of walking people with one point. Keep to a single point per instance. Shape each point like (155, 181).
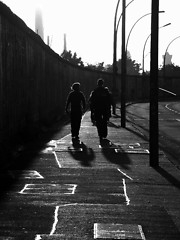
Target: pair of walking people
(100, 104)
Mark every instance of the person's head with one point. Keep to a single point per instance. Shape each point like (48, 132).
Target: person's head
(76, 86)
(100, 82)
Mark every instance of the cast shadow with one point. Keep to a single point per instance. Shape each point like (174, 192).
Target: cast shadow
(23, 152)
(115, 154)
(111, 124)
(82, 153)
(171, 179)
(116, 116)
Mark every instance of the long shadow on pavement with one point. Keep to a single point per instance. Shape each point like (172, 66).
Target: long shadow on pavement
(25, 153)
(175, 182)
(171, 179)
(83, 154)
(115, 154)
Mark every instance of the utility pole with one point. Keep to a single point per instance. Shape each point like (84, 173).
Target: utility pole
(154, 125)
(123, 66)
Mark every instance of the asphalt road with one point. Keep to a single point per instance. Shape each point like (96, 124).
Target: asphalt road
(169, 126)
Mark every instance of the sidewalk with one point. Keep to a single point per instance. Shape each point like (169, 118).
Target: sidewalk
(92, 190)
(147, 188)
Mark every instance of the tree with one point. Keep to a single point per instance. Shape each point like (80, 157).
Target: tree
(67, 55)
(133, 68)
(98, 66)
(170, 70)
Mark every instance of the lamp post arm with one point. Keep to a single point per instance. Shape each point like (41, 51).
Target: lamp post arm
(135, 25)
(121, 15)
(146, 43)
(115, 33)
(115, 16)
(114, 48)
(167, 49)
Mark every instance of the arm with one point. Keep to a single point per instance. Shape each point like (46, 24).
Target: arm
(83, 102)
(67, 103)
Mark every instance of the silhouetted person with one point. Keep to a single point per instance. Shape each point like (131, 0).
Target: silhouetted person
(100, 100)
(92, 110)
(77, 102)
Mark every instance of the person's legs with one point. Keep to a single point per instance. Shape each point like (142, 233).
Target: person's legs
(104, 125)
(75, 124)
(99, 123)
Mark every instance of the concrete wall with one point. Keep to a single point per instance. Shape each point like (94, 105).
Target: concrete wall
(34, 80)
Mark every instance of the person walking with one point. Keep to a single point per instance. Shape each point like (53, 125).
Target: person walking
(100, 100)
(77, 103)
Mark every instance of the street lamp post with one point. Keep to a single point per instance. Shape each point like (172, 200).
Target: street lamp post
(114, 55)
(154, 125)
(123, 66)
(116, 26)
(164, 60)
(146, 43)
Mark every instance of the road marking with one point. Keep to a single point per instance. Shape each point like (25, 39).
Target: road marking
(170, 109)
(164, 90)
(125, 192)
(124, 174)
(140, 119)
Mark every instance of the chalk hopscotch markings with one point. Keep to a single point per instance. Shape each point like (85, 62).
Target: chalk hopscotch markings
(130, 148)
(53, 147)
(53, 189)
(125, 192)
(49, 147)
(55, 223)
(27, 174)
(124, 174)
(118, 231)
(57, 161)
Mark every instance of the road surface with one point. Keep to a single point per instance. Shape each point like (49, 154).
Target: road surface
(169, 126)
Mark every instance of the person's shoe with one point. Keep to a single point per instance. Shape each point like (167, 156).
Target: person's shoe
(75, 139)
(101, 139)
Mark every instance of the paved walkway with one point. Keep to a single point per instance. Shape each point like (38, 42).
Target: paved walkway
(153, 190)
(98, 191)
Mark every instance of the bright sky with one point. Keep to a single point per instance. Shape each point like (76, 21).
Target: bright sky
(88, 25)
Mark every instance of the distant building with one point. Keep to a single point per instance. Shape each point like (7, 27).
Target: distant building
(65, 43)
(168, 59)
(39, 29)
